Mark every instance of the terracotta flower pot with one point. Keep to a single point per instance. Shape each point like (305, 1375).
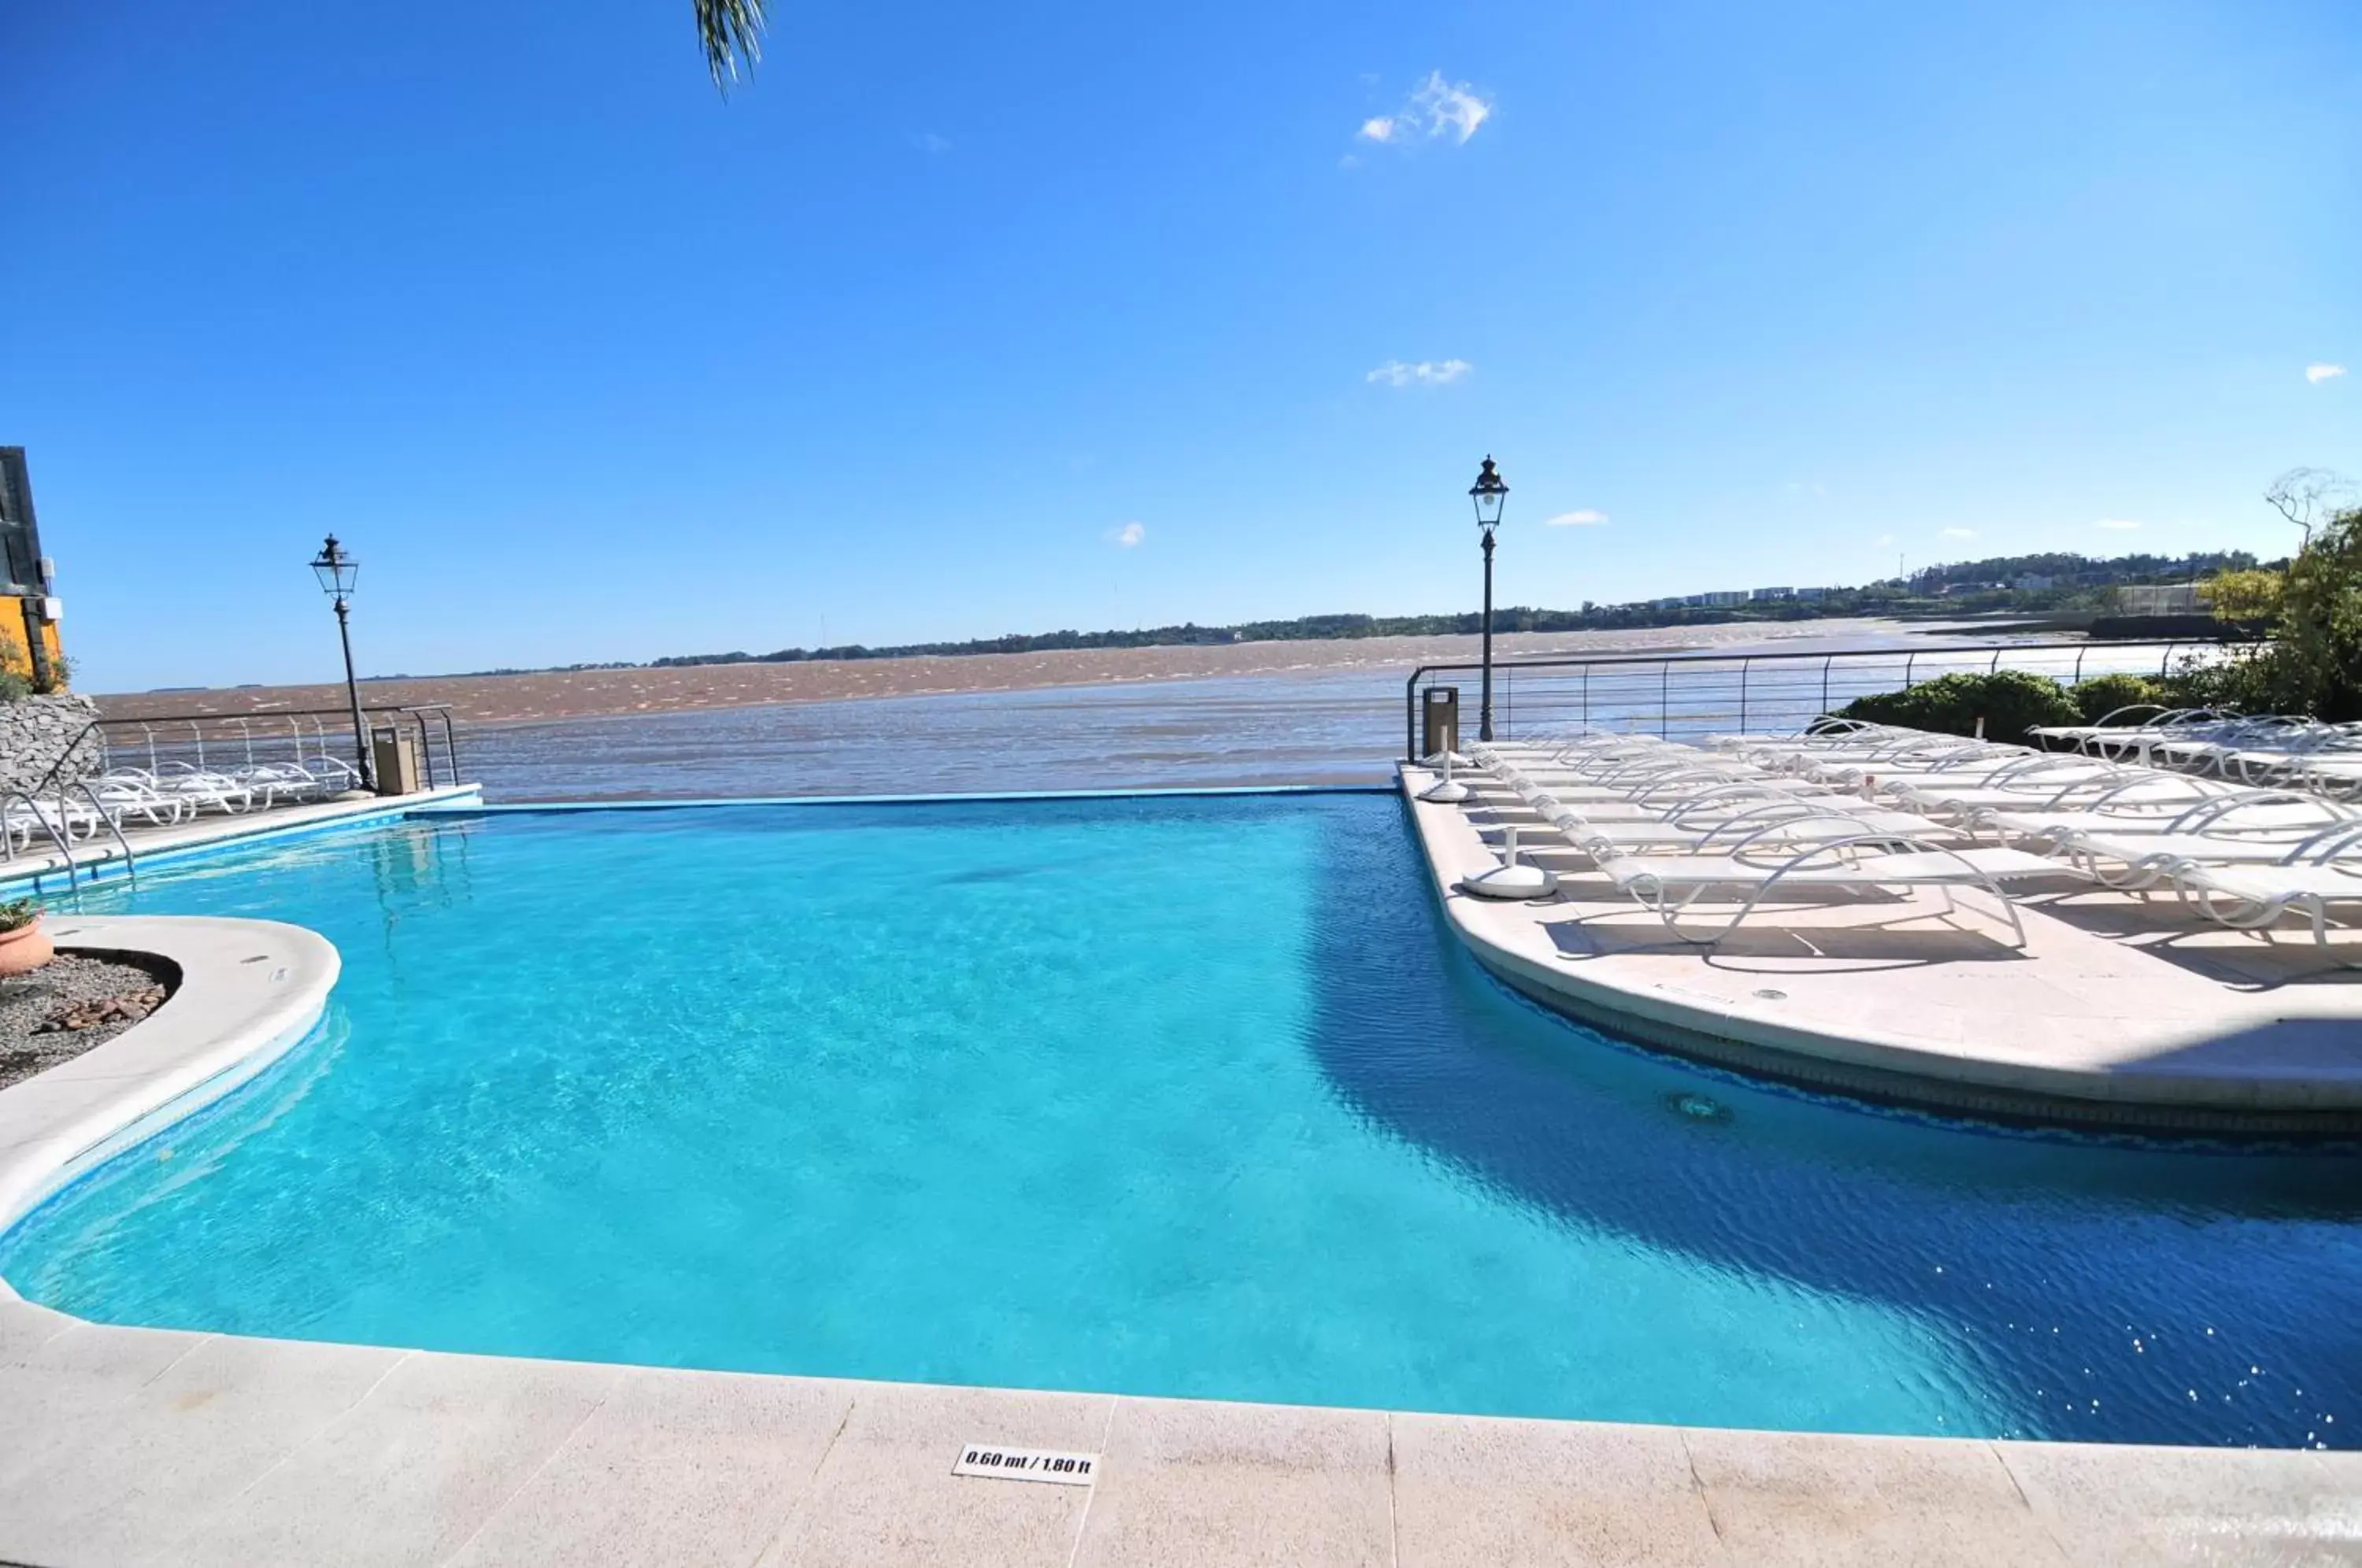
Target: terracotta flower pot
(25, 949)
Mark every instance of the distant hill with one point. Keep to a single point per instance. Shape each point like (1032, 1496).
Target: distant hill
(2053, 583)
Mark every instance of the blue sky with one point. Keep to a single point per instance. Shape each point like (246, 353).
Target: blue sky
(960, 320)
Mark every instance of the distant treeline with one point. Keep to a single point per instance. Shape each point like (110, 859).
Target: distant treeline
(2048, 583)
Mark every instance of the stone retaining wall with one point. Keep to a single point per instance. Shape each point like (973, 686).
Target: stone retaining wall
(36, 731)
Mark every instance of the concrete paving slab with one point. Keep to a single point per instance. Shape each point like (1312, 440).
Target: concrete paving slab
(118, 1482)
(885, 1492)
(1211, 1484)
(1827, 1500)
(1516, 1493)
(409, 1474)
(2164, 1506)
(84, 1370)
(25, 1328)
(221, 1450)
(686, 1468)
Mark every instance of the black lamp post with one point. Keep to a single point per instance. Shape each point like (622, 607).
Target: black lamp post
(1490, 494)
(337, 573)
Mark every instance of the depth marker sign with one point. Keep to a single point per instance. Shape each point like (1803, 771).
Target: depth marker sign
(1003, 1462)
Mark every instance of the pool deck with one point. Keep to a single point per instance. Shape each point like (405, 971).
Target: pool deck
(43, 870)
(147, 1445)
(2121, 1011)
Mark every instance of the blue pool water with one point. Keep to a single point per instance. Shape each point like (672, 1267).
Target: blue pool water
(1179, 1097)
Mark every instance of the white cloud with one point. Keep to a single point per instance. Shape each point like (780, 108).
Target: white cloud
(1960, 533)
(1436, 107)
(2319, 373)
(1883, 540)
(1577, 519)
(1129, 536)
(2123, 525)
(1426, 373)
(931, 144)
(1449, 107)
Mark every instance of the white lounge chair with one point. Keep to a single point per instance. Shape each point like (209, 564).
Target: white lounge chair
(1667, 885)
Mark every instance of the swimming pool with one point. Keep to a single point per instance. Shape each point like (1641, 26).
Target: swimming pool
(1164, 1096)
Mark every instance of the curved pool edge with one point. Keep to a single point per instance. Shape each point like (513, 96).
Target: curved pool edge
(1866, 1064)
(250, 990)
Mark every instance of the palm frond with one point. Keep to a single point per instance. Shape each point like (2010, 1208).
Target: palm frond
(732, 32)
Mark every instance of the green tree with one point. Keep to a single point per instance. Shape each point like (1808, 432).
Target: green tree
(2002, 705)
(2317, 647)
(2243, 595)
(2314, 663)
(2103, 694)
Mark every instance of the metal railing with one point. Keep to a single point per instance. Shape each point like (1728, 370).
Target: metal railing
(60, 829)
(1690, 694)
(216, 741)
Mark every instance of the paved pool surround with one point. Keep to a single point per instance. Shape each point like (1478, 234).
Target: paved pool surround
(137, 1445)
(2121, 1012)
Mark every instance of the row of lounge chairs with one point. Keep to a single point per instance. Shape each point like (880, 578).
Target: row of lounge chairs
(2294, 753)
(1866, 806)
(1670, 824)
(2245, 853)
(162, 796)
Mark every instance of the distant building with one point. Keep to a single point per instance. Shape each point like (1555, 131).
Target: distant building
(1774, 593)
(1725, 596)
(31, 646)
(2033, 582)
(1812, 593)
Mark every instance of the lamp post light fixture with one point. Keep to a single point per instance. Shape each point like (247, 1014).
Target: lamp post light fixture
(337, 573)
(1491, 494)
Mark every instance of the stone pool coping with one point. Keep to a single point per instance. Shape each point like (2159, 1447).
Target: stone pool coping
(249, 991)
(155, 1445)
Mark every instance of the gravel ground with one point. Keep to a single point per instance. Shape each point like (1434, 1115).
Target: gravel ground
(67, 985)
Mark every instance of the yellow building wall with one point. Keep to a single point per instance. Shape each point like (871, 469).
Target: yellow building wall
(16, 630)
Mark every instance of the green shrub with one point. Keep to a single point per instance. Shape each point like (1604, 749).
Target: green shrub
(14, 687)
(2010, 701)
(19, 913)
(2103, 694)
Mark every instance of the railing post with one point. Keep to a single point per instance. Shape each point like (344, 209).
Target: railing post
(2079, 664)
(1664, 696)
(1824, 681)
(1744, 665)
(1586, 696)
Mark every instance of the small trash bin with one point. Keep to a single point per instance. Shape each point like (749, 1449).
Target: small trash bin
(1438, 729)
(393, 753)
